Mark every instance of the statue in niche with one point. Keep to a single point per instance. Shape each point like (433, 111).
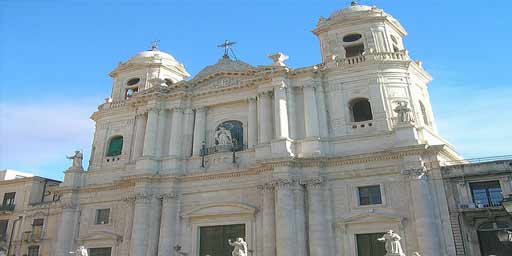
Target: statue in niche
(80, 251)
(223, 136)
(403, 112)
(77, 160)
(393, 246)
(240, 247)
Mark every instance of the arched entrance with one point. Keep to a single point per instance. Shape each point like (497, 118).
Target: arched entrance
(488, 239)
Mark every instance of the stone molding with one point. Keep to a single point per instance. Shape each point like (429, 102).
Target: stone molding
(201, 109)
(143, 198)
(69, 204)
(314, 182)
(265, 187)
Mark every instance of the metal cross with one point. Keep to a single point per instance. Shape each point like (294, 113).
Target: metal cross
(154, 45)
(227, 46)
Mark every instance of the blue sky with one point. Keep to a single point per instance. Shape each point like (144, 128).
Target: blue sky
(55, 57)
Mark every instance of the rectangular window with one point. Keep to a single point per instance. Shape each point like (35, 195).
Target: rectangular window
(367, 245)
(486, 194)
(213, 240)
(106, 251)
(37, 228)
(102, 216)
(369, 195)
(3, 229)
(9, 198)
(33, 250)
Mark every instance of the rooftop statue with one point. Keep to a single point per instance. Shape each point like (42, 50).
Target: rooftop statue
(80, 251)
(77, 160)
(240, 247)
(393, 246)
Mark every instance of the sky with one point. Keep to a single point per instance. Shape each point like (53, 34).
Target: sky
(55, 56)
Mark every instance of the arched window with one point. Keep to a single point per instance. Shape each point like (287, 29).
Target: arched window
(230, 133)
(361, 110)
(424, 114)
(115, 147)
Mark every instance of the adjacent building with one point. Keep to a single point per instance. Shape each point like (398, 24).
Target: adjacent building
(475, 192)
(317, 160)
(28, 221)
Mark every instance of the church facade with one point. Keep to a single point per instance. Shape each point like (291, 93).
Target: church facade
(318, 160)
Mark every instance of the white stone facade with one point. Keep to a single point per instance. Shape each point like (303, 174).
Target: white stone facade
(305, 149)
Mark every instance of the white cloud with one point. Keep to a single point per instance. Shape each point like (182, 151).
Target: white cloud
(37, 136)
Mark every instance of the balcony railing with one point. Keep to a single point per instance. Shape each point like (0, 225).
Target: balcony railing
(7, 207)
(222, 148)
(482, 205)
(32, 236)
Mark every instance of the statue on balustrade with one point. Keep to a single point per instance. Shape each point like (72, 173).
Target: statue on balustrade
(393, 246)
(240, 247)
(80, 251)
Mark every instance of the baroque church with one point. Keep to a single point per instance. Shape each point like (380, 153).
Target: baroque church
(310, 161)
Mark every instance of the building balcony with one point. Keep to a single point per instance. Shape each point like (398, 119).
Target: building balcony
(374, 57)
(479, 206)
(32, 236)
(7, 207)
(222, 148)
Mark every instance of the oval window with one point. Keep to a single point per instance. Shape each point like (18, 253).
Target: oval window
(394, 40)
(351, 38)
(133, 81)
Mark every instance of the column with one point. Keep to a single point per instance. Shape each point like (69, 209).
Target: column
(422, 202)
(66, 228)
(154, 225)
(322, 111)
(280, 111)
(151, 133)
(140, 224)
(140, 127)
(168, 225)
(292, 113)
(252, 133)
(162, 125)
(269, 221)
(318, 221)
(199, 130)
(265, 117)
(300, 219)
(176, 132)
(310, 111)
(286, 236)
(188, 132)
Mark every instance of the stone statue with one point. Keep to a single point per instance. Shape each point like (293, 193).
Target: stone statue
(393, 247)
(80, 251)
(240, 247)
(404, 112)
(77, 160)
(223, 136)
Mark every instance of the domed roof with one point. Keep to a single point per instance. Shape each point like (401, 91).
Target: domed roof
(224, 65)
(355, 10)
(153, 55)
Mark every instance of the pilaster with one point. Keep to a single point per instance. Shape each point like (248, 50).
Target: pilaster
(269, 221)
(176, 132)
(199, 130)
(140, 128)
(252, 133)
(168, 225)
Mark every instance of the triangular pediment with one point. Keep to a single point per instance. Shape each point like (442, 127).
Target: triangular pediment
(224, 65)
(370, 217)
(102, 235)
(221, 209)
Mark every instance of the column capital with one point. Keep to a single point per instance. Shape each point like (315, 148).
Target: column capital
(284, 183)
(415, 173)
(201, 108)
(168, 196)
(252, 99)
(314, 182)
(266, 187)
(69, 204)
(143, 198)
(180, 109)
(265, 93)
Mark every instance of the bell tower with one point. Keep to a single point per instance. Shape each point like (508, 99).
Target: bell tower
(357, 30)
(145, 70)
